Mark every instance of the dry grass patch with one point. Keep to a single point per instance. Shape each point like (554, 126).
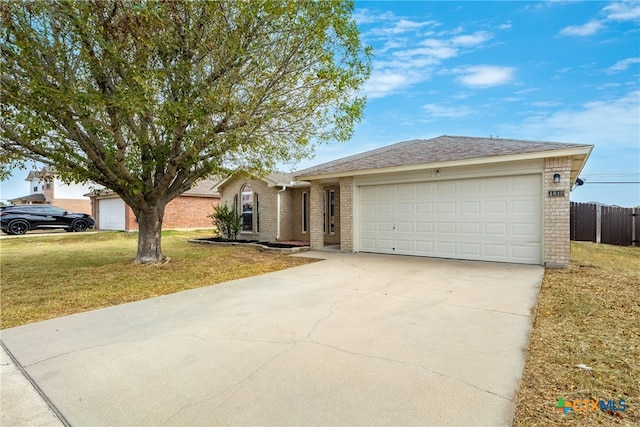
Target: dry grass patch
(53, 276)
(587, 314)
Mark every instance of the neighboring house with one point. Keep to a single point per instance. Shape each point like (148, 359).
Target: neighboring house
(189, 210)
(489, 199)
(46, 188)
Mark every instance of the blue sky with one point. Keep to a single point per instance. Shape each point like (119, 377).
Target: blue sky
(550, 71)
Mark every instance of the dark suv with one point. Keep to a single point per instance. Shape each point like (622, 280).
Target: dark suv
(22, 218)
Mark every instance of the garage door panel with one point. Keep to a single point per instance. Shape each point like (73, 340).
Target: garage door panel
(525, 252)
(446, 248)
(524, 230)
(385, 226)
(495, 207)
(424, 247)
(404, 208)
(496, 251)
(470, 249)
(472, 207)
(404, 245)
(495, 229)
(495, 219)
(424, 227)
(446, 189)
(404, 227)
(424, 207)
(523, 206)
(470, 228)
(446, 228)
(446, 207)
(424, 189)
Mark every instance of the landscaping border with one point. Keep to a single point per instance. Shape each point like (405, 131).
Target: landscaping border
(293, 250)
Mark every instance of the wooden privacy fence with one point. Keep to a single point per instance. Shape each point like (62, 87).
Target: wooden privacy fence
(591, 222)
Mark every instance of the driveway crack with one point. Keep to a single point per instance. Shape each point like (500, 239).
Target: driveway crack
(405, 363)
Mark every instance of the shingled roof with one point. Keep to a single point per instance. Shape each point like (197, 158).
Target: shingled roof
(436, 150)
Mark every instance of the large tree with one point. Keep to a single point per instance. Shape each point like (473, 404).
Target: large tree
(147, 97)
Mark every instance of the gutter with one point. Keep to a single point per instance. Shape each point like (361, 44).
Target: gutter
(284, 187)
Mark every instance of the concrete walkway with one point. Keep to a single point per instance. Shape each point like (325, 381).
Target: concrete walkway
(356, 339)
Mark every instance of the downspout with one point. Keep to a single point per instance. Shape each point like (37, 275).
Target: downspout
(284, 187)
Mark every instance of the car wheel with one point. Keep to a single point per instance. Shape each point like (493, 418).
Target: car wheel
(17, 227)
(79, 226)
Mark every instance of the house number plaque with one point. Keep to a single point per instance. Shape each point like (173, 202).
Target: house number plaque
(556, 193)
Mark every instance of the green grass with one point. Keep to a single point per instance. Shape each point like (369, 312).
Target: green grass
(587, 314)
(50, 276)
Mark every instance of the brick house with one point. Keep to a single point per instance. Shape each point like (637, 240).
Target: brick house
(46, 188)
(488, 199)
(189, 210)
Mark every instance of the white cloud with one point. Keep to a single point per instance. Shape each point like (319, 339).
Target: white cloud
(485, 75)
(622, 65)
(610, 123)
(402, 26)
(441, 111)
(386, 82)
(506, 26)
(587, 29)
(437, 53)
(366, 16)
(623, 11)
(476, 38)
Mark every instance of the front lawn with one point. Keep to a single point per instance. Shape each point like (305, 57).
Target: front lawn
(586, 315)
(51, 276)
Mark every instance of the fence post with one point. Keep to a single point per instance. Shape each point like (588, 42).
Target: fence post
(634, 215)
(598, 222)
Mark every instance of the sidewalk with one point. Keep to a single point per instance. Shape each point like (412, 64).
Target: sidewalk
(20, 403)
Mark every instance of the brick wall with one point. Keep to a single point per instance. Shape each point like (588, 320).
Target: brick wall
(316, 220)
(346, 214)
(296, 214)
(73, 205)
(557, 247)
(189, 212)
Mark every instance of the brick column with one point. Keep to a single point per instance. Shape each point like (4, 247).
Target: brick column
(557, 244)
(316, 232)
(346, 214)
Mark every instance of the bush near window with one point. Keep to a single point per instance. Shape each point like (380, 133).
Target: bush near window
(227, 221)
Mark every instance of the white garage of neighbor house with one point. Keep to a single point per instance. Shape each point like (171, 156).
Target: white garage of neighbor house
(488, 199)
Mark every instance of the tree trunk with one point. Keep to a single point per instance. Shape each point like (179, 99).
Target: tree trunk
(150, 235)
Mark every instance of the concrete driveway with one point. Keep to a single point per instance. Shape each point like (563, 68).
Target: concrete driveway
(355, 339)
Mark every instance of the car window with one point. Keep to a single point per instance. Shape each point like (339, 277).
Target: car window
(34, 210)
(52, 210)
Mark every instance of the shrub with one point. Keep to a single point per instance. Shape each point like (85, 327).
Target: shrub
(227, 221)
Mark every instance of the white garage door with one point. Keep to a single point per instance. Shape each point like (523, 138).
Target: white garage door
(111, 214)
(490, 219)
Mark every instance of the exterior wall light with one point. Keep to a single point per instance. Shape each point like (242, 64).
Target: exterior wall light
(556, 178)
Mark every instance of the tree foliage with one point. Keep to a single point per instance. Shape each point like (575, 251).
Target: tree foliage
(147, 97)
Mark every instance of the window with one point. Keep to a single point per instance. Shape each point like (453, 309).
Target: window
(257, 203)
(35, 188)
(332, 211)
(48, 185)
(246, 197)
(324, 212)
(305, 224)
